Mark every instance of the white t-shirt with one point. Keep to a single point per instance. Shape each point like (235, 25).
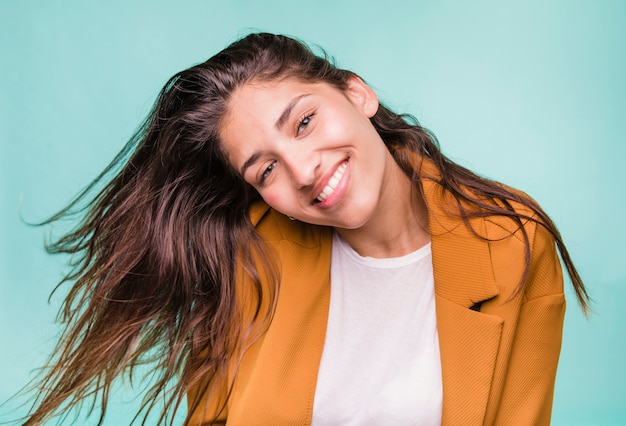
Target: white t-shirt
(380, 363)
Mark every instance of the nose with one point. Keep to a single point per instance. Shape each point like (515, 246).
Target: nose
(303, 166)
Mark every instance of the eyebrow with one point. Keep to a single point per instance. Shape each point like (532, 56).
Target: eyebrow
(249, 162)
(284, 116)
(287, 111)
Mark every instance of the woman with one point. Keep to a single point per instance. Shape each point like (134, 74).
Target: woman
(283, 249)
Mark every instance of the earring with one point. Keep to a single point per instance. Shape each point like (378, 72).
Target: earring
(291, 218)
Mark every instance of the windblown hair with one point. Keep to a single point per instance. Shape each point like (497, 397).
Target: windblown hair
(157, 250)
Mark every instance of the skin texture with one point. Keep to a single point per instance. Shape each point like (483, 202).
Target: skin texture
(288, 138)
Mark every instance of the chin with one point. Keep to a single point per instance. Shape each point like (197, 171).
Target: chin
(353, 223)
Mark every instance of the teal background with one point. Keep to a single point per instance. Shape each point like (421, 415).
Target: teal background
(531, 93)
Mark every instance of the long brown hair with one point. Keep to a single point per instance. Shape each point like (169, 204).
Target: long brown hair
(158, 247)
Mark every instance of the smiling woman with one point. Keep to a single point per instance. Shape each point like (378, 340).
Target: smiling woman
(312, 153)
(409, 290)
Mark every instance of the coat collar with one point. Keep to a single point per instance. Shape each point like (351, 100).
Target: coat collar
(461, 258)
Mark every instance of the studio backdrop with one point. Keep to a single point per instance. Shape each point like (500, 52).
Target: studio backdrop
(529, 93)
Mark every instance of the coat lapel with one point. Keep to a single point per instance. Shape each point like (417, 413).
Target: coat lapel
(277, 377)
(468, 339)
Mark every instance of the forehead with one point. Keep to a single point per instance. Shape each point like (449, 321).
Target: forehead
(254, 108)
(270, 96)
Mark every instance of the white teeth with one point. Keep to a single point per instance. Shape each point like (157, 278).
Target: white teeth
(332, 183)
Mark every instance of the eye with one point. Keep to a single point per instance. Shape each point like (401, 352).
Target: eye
(266, 173)
(303, 123)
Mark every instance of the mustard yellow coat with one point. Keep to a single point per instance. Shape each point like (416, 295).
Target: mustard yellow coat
(498, 353)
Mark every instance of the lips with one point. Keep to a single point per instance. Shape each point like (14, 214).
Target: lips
(332, 183)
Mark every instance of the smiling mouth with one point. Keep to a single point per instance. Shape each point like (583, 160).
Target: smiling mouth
(332, 183)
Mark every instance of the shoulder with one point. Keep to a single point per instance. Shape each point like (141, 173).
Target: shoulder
(525, 247)
(274, 228)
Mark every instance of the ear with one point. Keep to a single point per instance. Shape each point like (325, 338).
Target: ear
(362, 96)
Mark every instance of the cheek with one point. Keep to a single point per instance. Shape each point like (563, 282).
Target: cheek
(337, 129)
(273, 199)
(334, 121)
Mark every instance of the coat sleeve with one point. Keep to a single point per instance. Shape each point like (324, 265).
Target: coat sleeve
(529, 383)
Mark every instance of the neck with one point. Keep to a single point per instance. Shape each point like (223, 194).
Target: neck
(398, 227)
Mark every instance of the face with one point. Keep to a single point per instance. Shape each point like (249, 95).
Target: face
(309, 149)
